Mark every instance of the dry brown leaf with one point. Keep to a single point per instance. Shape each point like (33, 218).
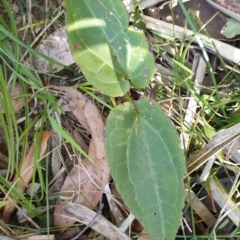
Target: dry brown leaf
(79, 139)
(26, 171)
(144, 236)
(86, 181)
(56, 47)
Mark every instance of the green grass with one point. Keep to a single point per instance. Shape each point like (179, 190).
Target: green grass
(216, 109)
(19, 136)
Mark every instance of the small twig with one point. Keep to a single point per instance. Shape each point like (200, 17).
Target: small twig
(199, 69)
(102, 225)
(225, 50)
(90, 223)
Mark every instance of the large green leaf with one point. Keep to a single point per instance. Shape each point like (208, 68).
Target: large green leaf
(108, 51)
(142, 148)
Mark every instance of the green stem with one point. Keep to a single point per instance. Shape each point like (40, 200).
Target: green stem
(129, 99)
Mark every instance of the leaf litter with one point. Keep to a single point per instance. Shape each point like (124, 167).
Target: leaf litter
(22, 180)
(229, 152)
(86, 180)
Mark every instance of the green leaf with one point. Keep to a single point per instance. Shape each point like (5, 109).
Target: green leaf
(148, 166)
(108, 51)
(231, 28)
